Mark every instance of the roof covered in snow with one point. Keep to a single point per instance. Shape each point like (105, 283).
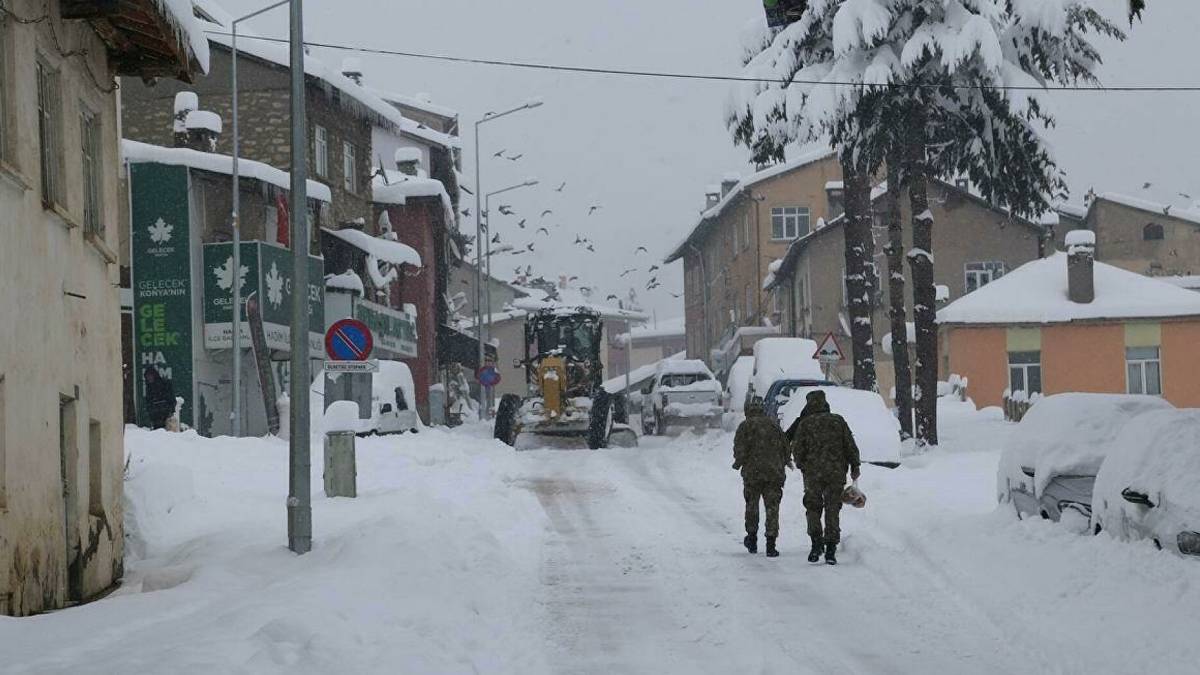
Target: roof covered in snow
(1191, 216)
(393, 187)
(383, 250)
(189, 29)
(703, 223)
(1036, 293)
(666, 328)
(136, 152)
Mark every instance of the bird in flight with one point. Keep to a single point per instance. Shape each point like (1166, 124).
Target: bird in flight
(515, 157)
(589, 247)
(625, 273)
(673, 295)
(547, 212)
(520, 224)
(528, 247)
(495, 240)
(499, 154)
(653, 268)
(593, 209)
(465, 212)
(560, 187)
(610, 297)
(640, 249)
(505, 210)
(1146, 185)
(541, 230)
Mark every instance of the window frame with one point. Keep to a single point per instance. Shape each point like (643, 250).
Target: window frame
(978, 269)
(320, 151)
(1027, 362)
(790, 215)
(50, 132)
(349, 167)
(91, 153)
(1141, 363)
(1153, 228)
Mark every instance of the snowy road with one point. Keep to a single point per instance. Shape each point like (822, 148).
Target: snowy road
(463, 556)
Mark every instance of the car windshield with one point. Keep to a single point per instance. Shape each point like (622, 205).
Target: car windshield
(683, 379)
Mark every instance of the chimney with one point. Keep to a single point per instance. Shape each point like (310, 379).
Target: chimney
(1081, 255)
(728, 182)
(352, 68)
(712, 195)
(408, 161)
(185, 103)
(203, 128)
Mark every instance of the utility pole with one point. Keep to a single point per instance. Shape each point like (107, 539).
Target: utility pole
(299, 503)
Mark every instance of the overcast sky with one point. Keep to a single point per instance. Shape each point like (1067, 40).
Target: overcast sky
(643, 149)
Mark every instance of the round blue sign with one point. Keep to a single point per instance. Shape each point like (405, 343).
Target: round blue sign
(488, 376)
(349, 340)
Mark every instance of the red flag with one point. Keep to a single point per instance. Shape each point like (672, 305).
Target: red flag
(282, 224)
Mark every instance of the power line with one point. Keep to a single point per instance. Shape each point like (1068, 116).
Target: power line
(529, 65)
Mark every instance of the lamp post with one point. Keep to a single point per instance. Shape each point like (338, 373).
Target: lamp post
(488, 117)
(235, 414)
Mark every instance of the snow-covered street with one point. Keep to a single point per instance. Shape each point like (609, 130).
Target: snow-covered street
(461, 555)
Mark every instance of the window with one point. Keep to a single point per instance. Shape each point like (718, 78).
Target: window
(349, 169)
(1025, 372)
(837, 202)
(1144, 370)
(95, 469)
(737, 237)
(789, 222)
(93, 172)
(1153, 232)
(979, 274)
(750, 309)
(746, 232)
(321, 151)
(49, 107)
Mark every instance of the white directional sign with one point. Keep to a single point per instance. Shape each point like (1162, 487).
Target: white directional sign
(829, 350)
(371, 366)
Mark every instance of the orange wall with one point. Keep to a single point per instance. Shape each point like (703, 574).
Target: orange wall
(1088, 358)
(1181, 363)
(980, 355)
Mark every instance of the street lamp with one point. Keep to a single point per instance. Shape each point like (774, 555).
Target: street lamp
(488, 117)
(235, 415)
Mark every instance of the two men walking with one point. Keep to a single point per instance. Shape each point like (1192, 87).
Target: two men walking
(822, 447)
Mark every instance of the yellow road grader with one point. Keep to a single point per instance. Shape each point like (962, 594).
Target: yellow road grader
(565, 376)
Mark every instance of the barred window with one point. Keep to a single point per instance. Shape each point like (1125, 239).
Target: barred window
(49, 108)
(93, 172)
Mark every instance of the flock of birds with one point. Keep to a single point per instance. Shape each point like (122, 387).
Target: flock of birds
(547, 228)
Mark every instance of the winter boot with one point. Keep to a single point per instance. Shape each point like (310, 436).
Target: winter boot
(831, 554)
(772, 552)
(751, 543)
(814, 554)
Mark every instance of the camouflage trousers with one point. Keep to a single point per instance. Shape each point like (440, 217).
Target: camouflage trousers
(770, 493)
(824, 497)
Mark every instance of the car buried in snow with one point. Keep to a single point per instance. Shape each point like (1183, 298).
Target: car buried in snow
(683, 393)
(1146, 489)
(1049, 465)
(782, 366)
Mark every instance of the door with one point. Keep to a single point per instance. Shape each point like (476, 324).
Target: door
(68, 449)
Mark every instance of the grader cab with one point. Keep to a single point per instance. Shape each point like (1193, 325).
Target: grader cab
(565, 376)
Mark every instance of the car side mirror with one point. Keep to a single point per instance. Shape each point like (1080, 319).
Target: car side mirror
(1134, 497)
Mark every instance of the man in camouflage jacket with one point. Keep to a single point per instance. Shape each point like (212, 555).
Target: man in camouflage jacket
(824, 449)
(760, 452)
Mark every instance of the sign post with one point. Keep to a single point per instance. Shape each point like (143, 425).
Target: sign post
(829, 353)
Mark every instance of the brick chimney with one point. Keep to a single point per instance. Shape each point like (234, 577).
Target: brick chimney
(1081, 256)
(408, 161)
(712, 195)
(185, 103)
(203, 130)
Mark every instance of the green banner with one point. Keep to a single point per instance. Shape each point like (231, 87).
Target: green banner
(162, 282)
(218, 292)
(393, 330)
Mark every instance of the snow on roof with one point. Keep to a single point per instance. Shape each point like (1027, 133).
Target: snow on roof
(393, 187)
(188, 28)
(684, 367)
(136, 152)
(666, 328)
(800, 161)
(203, 119)
(1080, 238)
(835, 185)
(1155, 207)
(1036, 292)
(421, 102)
(780, 358)
(407, 154)
(1191, 282)
(566, 305)
(1077, 211)
(346, 281)
(384, 250)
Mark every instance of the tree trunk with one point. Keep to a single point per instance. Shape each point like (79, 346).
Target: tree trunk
(920, 260)
(860, 274)
(897, 312)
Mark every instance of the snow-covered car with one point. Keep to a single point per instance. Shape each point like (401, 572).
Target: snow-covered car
(782, 365)
(1146, 488)
(876, 430)
(1048, 467)
(682, 393)
(737, 383)
(393, 400)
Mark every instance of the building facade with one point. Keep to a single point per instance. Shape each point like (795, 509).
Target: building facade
(1138, 235)
(61, 448)
(747, 224)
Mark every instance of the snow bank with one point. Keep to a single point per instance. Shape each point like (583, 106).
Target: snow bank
(739, 381)
(876, 430)
(136, 152)
(1036, 292)
(1158, 454)
(784, 359)
(1067, 434)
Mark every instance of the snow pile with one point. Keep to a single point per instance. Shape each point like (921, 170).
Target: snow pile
(136, 152)
(1157, 454)
(203, 119)
(777, 358)
(346, 281)
(341, 416)
(1036, 292)
(1067, 434)
(739, 381)
(910, 329)
(876, 430)
(382, 250)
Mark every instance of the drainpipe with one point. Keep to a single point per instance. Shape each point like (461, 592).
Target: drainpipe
(704, 287)
(758, 245)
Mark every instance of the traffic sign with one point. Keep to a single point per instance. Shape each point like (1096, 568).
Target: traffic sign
(829, 350)
(371, 366)
(488, 376)
(349, 340)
